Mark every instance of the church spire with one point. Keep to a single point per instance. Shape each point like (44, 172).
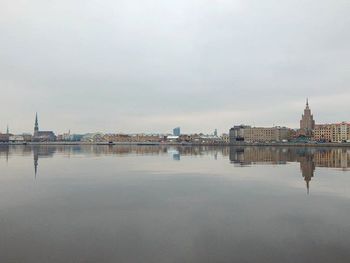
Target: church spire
(36, 127)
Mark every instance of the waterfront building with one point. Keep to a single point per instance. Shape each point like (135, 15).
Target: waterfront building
(262, 134)
(27, 137)
(65, 137)
(93, 137)
(307, 122)
(336, 132)
(4, 138)
(225, 138)
(172, 138)
(42, 136)
(185, 138)
(237, 133)
(176, 131)
(148, 137)
(209, 139)
(243, 133)
(16, 138)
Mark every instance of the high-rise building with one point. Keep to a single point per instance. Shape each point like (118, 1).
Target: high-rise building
(307, 122)
(176, 131)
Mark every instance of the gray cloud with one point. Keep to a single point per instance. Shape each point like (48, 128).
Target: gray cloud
(132, 66)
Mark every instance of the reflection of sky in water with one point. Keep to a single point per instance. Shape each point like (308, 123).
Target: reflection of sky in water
(136, 204)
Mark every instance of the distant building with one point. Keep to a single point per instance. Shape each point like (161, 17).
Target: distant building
(93, 137)
(225, 138)
(27, 137)
(337, 132)
(176, 131)
(307, 122)
(42, 136)
(16, 138)
(245, 133)
(261, 134)
(210, 139)
(172, 138)
(4, 138)
(237, 133)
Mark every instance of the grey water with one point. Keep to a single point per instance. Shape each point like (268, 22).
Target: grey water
(174, 204)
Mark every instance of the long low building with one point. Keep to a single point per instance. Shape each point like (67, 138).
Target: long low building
(244, 133)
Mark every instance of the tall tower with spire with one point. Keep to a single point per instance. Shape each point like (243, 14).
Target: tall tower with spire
(307, 122)
(36, 126)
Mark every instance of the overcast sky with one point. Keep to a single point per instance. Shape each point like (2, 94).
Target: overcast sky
(152, 65)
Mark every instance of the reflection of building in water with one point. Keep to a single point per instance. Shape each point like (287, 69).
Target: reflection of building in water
(309, 158)
(36, 162)
(176, 156)
(4, 151)
(41, 152)
(336, 158)
(259, 155)
(307, 166)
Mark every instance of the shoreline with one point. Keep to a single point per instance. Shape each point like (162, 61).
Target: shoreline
(286, 144)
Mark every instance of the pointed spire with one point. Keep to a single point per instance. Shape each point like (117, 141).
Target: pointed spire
(7, 130)
(36, 126)
(307, 103)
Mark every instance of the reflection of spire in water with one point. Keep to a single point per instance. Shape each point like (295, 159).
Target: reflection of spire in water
(7, 156)
(307, 167)
(36, 162)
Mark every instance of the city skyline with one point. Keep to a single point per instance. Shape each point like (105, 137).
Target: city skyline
(307, 112)
(113, 67)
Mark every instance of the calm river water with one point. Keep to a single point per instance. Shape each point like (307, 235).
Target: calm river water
(174, 204)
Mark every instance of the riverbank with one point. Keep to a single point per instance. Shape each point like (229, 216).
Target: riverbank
(290, 144)
(285, 144)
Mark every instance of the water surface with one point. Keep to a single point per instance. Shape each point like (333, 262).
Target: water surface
(174, 204)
